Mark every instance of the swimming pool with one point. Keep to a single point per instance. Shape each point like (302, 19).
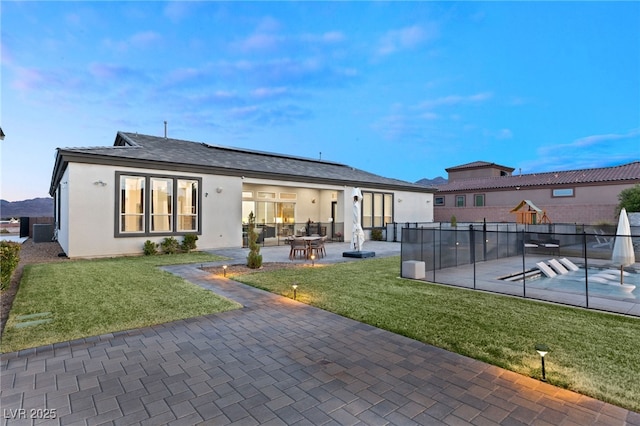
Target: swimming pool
(602, 282)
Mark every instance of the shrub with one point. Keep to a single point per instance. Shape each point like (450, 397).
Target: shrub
(9, 258)
(170, 245)
(189, 242)
(454, 221)
(376, 234)
(150, 248)
(254, 258)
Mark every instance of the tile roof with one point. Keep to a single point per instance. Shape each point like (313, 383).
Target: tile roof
(624, 173)
(137, 150)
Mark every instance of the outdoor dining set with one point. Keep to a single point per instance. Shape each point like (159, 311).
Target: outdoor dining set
(309, 247)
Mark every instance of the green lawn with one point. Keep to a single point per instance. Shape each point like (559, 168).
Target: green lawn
(92, 297)
(593, 353)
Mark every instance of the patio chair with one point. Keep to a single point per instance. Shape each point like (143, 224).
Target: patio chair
(317, 247)
(298, 246)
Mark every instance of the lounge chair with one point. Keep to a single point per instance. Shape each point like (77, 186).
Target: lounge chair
(602, 241)
(569, 264)
(558, 267)
(544, 268)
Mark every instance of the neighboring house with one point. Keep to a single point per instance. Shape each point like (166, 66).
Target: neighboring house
(487, 191)
(110, 200)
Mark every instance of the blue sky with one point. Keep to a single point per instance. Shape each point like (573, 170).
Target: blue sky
(403, 90)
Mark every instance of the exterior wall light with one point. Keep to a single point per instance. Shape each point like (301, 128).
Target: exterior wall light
(542, 349)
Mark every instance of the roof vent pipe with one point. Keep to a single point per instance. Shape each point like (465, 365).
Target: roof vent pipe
(165, 129)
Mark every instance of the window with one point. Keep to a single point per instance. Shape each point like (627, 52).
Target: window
(460, 201)
(439, 201)
(132, 204)
(288, 196)
(171, 206)
(562, 192)
(478, 200)
(187, 205)
(161, 205)
(377, 209)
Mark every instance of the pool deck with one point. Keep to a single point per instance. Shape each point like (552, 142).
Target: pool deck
(488, 273)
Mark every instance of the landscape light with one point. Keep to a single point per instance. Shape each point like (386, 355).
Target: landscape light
(542, 349)
(224, 269)
(313, 260)
(295, 288)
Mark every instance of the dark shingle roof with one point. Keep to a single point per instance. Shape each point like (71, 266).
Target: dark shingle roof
(136, 150)
(625, 172)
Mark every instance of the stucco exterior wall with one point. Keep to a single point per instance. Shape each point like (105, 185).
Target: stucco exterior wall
(63, 231)
(413, 207)
(589, 205)
(89, 202)
(91, 212)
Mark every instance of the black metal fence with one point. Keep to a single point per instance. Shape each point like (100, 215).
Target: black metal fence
(510, 258)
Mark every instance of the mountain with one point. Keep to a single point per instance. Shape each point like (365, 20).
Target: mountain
(36, 207)
(432, 182)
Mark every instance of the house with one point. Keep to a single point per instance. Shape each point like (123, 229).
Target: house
(487, 191)
(110, 200)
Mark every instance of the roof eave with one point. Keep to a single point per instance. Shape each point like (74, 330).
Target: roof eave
(64, 157)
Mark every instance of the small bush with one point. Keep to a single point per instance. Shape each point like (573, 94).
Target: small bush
(9, 258)
(376, 234)
(170, 245)
(189, 242)
(454, 221)
(150, 248)
(254, 258)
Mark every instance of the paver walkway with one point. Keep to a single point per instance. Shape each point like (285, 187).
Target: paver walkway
(276, 362)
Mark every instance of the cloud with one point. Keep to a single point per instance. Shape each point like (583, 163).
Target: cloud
(262, 40)
(139, 40)
(595, 143)
(269, 92)
(589, 141)
(504, 134)
(601, 150)
(404, 38)
(452, 100)
(177, 10)
(330, 37)
(117, 73)
(274, 115)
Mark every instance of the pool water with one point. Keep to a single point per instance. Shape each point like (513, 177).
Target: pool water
(603, 282)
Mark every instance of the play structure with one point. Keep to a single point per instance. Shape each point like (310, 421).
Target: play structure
(527, 213)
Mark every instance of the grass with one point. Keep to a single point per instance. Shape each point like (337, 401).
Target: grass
(593, 353)
(92, 297)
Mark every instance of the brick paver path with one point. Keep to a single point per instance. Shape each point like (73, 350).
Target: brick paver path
(276, 362)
